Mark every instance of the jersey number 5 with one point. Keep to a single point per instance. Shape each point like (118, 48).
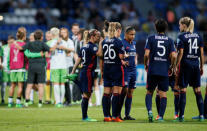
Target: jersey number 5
(159, 45)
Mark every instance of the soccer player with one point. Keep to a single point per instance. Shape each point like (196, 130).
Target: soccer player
(87, 56)
(129, 71)
(17, 67)
(36, 70)
(113, 72)
(58, 63)
(159, 53)
(6, 72)
(48, 90)
(190, 48)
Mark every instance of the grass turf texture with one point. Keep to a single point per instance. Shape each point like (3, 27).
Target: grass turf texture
(50, 118)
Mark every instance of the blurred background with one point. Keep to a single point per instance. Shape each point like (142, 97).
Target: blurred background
(44, 14)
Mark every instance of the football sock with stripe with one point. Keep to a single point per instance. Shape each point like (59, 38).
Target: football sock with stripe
(106, 101)
(84, 107)
(62, 94)
(148, 102)
(176, 103)
(128, 103)
(182, 103)
(163, 104)
(115, 104)
(199, 101)
(121, 100)
(157, 100)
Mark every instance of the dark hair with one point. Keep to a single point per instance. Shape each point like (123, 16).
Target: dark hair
(106, 26)
(11, 37)
(128, 29)
(38, 34)
(161, 25)
(75, 24)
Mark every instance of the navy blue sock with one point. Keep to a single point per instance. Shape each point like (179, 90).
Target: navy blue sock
(176, 103)
(84, 107)
(106, 104)
(199, 101)
(157, 101)
(163, 104)
(128, 103)
(148, 102)
(115, 102)
(121, 101)
(205, 106)
(182, 103)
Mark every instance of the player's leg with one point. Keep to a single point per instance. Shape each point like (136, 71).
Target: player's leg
(19, 94)
(157, 101)
(106, 103)
(55, 77)
(122, 98)
(11, 94)
(129, 96)
(63, 72)
(205, 104)
(48, 88)
(151, 85)
(41, 92)
(97, 91)
(115, 103)
(3, 86)
(200, 103)
(176, 97)
(28, 91)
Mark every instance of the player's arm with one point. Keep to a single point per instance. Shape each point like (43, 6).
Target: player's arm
(19, 47)
(136, 59)
(146, 58)
(68, 50)
(77, 62)
(100, 49)
(201, 59)
(180, 55)
(29, 54)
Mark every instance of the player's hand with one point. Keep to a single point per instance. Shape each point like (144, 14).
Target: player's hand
(125, 63)
(201, 71)
(126, 55)
(61, 47)
(59, 40)
(42, 53)
(146, 67)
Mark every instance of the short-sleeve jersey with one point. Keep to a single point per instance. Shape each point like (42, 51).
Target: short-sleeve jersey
(111, 50)
(190, 43)
(88, 55)
(160, 46)
(130, 49)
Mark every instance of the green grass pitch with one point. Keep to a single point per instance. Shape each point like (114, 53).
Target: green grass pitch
(50, 118)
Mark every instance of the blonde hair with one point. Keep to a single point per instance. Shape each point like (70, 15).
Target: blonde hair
(113, 27)
(188, 22)
(85, 37)
(21, 33)
(55, 32)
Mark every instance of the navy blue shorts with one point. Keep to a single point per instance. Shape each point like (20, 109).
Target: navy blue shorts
(86, 81)
(113, 75)
(130, 78)
(172, 81)
(153, 81)
(189, 74)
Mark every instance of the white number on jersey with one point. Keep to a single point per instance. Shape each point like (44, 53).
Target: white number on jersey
(83, 56)
(193, 45)
(159, 45)
(15, 55)
(110, 52)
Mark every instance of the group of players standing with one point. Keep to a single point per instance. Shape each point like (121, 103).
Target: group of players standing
(118, 60)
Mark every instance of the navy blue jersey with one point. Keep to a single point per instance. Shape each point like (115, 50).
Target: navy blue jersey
(190, 43)
(88, 55)
(130, 49)
(111, 50)
(160, 47)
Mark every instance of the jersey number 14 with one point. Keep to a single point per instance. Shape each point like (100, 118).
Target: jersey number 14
(193, 45)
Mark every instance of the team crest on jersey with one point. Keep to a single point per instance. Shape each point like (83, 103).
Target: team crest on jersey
(95, 48)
